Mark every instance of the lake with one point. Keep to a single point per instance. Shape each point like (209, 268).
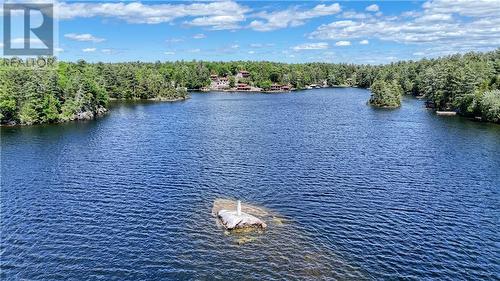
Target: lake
(361, 193)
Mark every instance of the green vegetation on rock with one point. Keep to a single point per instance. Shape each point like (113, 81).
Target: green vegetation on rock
(489, 105)
(80, 90)
(467, 84)
(386, 94)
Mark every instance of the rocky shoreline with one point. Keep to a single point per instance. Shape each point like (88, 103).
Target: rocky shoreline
(92, 114)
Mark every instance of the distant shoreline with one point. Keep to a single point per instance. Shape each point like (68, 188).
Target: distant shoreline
(267, 92)
(151, 100)
(179, 99)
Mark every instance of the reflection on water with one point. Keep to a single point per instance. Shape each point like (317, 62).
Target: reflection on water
(353, 192)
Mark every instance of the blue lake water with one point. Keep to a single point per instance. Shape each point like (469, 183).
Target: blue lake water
(364, 193)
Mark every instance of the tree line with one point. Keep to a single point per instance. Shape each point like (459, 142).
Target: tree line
(79, 90)
(468, 84)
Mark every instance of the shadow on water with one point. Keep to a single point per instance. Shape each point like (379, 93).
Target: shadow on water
(48, 131)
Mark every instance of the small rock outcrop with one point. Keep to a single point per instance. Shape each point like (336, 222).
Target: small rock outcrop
(236, 219)
(231, 220)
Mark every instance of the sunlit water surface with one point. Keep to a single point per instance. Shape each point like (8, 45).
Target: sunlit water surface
(363, 193)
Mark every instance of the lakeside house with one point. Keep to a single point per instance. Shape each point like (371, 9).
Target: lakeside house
(279, 88)
(243, 87)
(223, 84)
(219, 83)
(243, 74)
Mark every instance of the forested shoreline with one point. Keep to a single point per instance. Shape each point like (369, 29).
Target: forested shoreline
(76, 91)
(468, 84)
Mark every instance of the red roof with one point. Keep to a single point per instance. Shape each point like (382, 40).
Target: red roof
(243, 86)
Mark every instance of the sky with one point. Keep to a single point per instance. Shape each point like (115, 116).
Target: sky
(363, 32)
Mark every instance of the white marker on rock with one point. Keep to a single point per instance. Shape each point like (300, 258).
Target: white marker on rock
(238, 208)
(231, 219)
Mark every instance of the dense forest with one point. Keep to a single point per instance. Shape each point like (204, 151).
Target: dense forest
(468, 84)
(80, 90)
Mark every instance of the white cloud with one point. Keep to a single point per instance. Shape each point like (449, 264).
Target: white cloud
(86, 37)
(251, 52)
(355, 15)
(373, 8)
(194, 50)
(218, 22)
(411, 14)
(260, 45)
(174, 40)
(58, 50)
(169, 53)
(199, 36)
(291, 17)
(476, 8)
(109, 51)
(218, 14)
(364, 42)
(434, 18)
(311, 46)
(439, 24)
(228, 49)
(89, 50)
(419, 54)
(343, 43)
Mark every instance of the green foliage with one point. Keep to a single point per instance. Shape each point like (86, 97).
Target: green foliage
(28, 114)
(50, 109)
(266, 85)
(30, 96)
(8, 105)
(489, 106)
(232, 82)
(68, 110)
(386, 94)
(457, 82)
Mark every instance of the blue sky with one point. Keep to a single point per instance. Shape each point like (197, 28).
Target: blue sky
(288, 31)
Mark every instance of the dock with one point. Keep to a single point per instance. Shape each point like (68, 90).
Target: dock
(446, 113)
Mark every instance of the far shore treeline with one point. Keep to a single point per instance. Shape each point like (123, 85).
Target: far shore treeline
(468, 84)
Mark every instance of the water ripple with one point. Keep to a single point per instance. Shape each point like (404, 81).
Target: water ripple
(364, 193)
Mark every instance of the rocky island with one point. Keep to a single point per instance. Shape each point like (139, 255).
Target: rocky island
(236, 219)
